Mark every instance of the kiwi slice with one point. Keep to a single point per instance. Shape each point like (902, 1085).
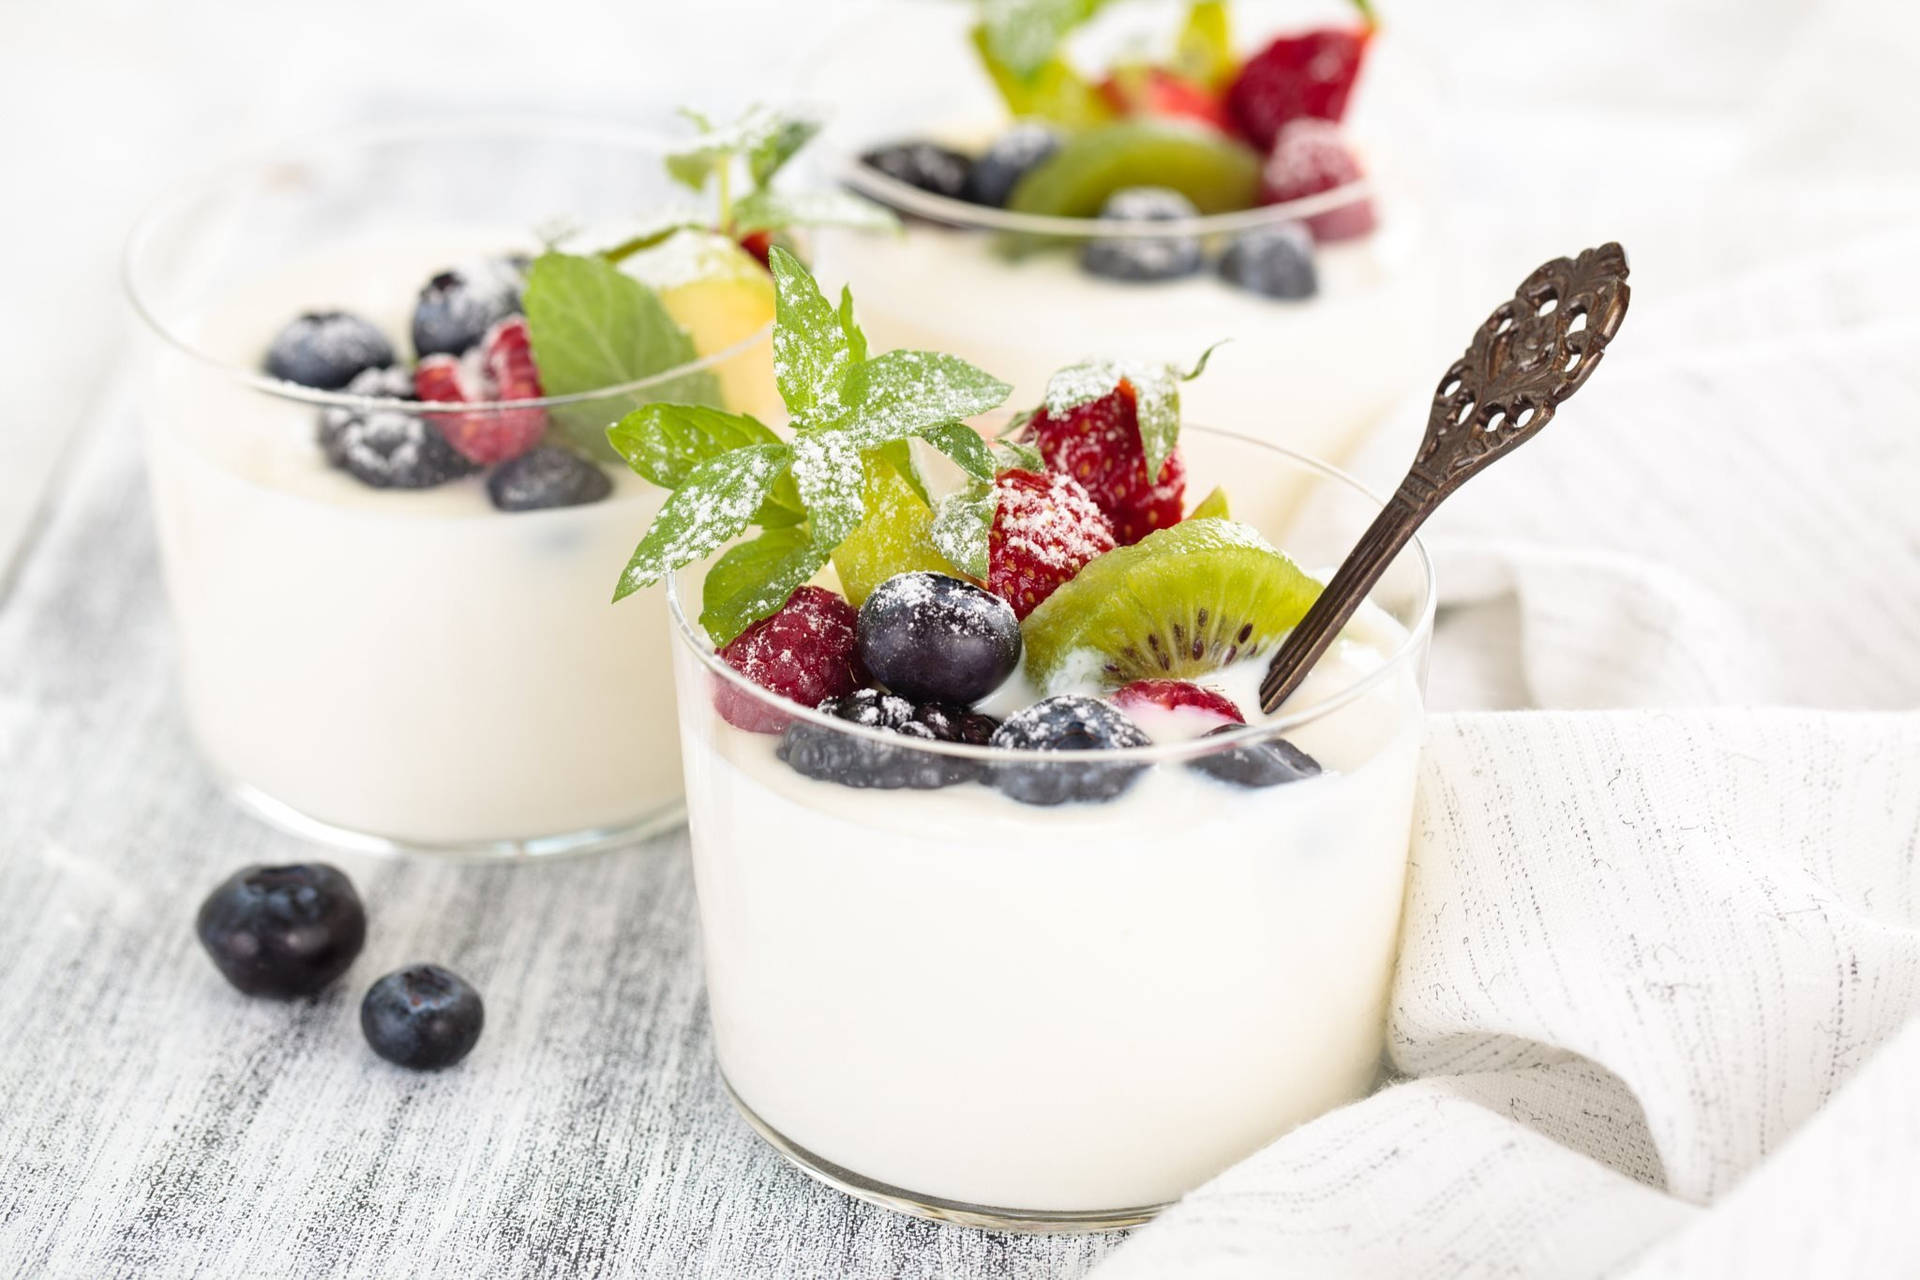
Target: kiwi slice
(1181, 602)
(1214, 504)
(1210, 169)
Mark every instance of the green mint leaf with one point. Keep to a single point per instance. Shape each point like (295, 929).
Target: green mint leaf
(812, 352)
(753, 579)
(1024, 35)
(1200, 365)
(898, 454)
(964, 446)
(776, 210)
(1019, 456)
(645, 232)
(1017, 424)
(1203, 51)
(1053, 91)
(593, 327)
(784, 134)
(962, 522)
(715, 501)
(664, 443)
(850, 328)
(831, 479)
(903, 393)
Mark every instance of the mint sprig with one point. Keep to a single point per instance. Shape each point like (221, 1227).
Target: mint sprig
(1023, 35)
(592, 327)
(729, 471)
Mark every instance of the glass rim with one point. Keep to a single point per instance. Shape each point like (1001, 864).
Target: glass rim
(259, 159)
(1418, 635)
(956, 214)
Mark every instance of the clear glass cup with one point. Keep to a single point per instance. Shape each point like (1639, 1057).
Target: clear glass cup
(1065, 1017)
(405, 669)
(1006, 290)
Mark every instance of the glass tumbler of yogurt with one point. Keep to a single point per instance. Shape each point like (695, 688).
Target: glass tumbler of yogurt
(391, 667)
(1012, 290)
(1063, 1015)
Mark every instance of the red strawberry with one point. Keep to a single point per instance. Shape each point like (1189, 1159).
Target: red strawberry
(1309, 157)
(759, 244)
(1207, 708)
(1098, 444)
(1155, 91)
(499, 368)
(1045, 528)
(1310, 74)
(804, 651)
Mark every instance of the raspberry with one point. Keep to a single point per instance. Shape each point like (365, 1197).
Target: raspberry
(1045, 528)
(1180, 698)
(1098, 444)
(499, 368)
(805, 652)
(1310, 74)
(1310, 157)
(1162, 93)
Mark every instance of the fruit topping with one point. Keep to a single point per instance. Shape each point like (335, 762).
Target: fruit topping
(1098, 443)
(1310, 157)
(500, 368)
(759, 244)
(385, 447)
(1011, 157)
(925, 165)
(327, 350)
(950, 723)
(894, 536)
(1045, 528)
(1143, 257)
(1276, 261)
(1214, 505)
(458, 306)
(283, 931)
(1156, 91)
(929, 637)
(854, 761)
(547, 477)
(1213, 171)
(805, 651)
(720, 294)
(423, 1017)
(1309, 75)
(1267, 763)
(1184, 709)
(1179, 603)
(1066, 723)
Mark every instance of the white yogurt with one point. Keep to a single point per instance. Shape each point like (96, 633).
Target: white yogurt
(1078, 1009)
(1312, 375)
(412, 665)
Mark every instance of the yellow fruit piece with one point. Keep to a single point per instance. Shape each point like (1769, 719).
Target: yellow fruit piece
(721, 295)
(894, 537)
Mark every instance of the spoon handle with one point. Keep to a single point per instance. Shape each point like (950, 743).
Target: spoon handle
(1526, 359)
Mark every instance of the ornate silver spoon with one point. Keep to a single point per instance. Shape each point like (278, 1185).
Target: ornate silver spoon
(1529, 357)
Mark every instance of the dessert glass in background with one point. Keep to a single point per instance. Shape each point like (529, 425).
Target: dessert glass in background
(1006, 290)
(1020, 1016)
(411, 668)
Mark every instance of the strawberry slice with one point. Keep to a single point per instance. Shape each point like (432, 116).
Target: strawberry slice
(1098, 443)
(1200, 710)
(499, 368)
(1045, 528)
(1157, 91)
(1310, 74)
(1309, 157)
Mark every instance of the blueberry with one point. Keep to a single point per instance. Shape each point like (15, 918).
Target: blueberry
(548, 476)
(932, 638)
(1144, 257)
(423, 1017)
(386, 447)
(283, 931)
(1066, 722)
(1011, 157)
(1276, 261)
(1257, 764)
(925, 165)
(458, 306)
(327, 350)
(832, 756)
(949, 723)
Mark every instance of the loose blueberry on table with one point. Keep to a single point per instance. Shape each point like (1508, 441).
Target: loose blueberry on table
(1197, 132)
(422, 1017)
(1064, 563)
(283, 931)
